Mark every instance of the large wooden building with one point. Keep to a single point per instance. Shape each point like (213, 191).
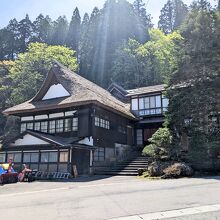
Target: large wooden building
(72, 121)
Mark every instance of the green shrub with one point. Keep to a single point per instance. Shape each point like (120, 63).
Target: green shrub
(160, 144)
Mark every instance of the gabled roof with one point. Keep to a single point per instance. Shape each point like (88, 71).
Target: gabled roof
(56, 140)
(145, 90)
(81, 90)
(118, 88)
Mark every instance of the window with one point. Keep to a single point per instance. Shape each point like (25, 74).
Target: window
(59, 125)
(53, 157)
(23, 127)
(43, 126)
(139, 137)
(68, 124)
(146, 103)
(165, 102)
(15, 157)
(152, 102)
(2, 157)
(63, 156)
(141, 103)
(30, 126)
(150, 105)
(122, 129)
(134, 104)
(96, 121)
(158, 101)
(49, 157)
(52, 126)
(99, 154)
(99, 122)
(31, 157)
(37, 126)
(75, 124)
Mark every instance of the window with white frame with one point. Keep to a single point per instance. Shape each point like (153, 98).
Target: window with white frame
(165, 103)
(37, 126)
(103, 123)
(31, 157)
(99, 154)
(75, 124)
(139, 136)
(122, 129)
(15, 157)
(52, 126)
(49, 157)
(23, 127)
(30, 126)
(68, 124)
(2, 157)
(64, 156)
(59, 126)
(44, 126)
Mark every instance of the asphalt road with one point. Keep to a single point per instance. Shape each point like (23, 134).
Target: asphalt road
(110, 198)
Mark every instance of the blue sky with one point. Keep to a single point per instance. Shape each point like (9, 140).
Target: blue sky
(18, 8)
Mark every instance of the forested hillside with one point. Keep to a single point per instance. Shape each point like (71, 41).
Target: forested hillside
(94, 37)
(115, 43)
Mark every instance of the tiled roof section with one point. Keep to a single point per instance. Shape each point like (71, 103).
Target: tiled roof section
(145, 90)
(57, 140)
(61, 141)
(82, 91)
(118, 87)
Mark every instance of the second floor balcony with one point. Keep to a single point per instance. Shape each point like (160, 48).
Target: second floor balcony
(149, 105)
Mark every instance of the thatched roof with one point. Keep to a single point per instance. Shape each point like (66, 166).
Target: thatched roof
(81, 90)
(145, 90)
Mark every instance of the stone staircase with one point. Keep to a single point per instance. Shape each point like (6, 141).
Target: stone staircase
(125, 168)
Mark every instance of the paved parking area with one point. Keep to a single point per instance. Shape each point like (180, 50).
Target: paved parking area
(112, 198)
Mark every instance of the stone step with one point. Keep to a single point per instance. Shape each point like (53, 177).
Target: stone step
(117, 173)
(126, 168)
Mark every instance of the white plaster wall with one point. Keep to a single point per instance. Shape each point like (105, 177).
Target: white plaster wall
(56, 91)
(70, 113)
(56, 115)
(28, 118)
(29, 140)
(39, 117)
(87, 141)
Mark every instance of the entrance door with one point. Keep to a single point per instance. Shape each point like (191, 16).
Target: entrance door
(148, 132)
(81, 159)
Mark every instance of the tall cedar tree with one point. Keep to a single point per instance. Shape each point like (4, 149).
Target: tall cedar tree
(84, 44)
(73, 35)
(172, 16)
(42, 29)
(194, 88)
(59, 32)
(114, 24)
(25, 30)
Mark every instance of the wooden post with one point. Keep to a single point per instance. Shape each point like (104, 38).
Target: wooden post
(75, 172)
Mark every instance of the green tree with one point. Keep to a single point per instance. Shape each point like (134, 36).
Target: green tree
(59, 31)
(172, 15)
(160, 145)
(30, 69)
(194, 88)
(137, 65)
(42, 29)
(13, 40)
(25, 31)
(5, 90)
(73, 34)
(6, 49)
(84, 44)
